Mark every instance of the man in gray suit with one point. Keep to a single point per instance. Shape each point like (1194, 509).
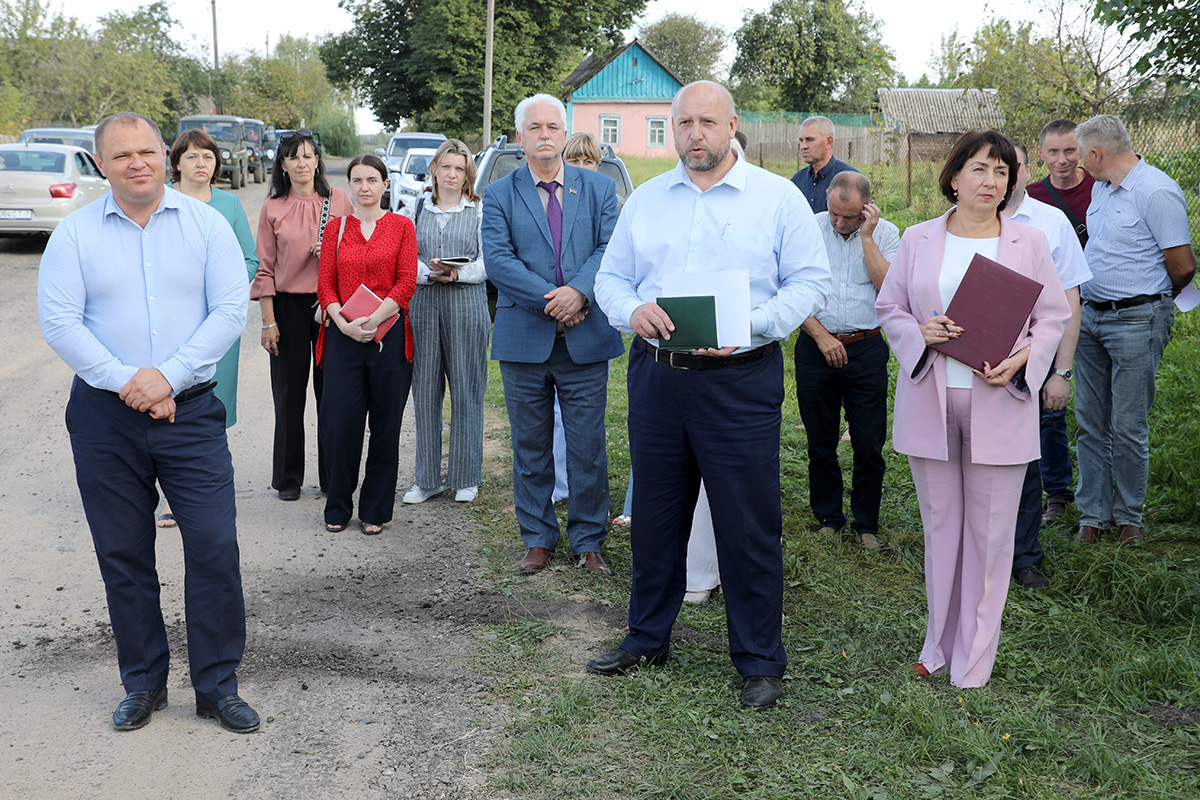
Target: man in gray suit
(544, 232)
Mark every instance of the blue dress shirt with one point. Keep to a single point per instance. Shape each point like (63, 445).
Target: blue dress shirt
(814, 185)
(751, 219)
(114, 298)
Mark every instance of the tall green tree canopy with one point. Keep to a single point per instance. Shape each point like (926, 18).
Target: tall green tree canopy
(819, 54)
(1171, 28)
(688, 46)
(422, 60)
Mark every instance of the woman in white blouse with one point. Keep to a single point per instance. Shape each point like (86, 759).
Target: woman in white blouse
(451, 326)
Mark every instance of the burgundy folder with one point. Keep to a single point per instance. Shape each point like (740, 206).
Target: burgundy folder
(363, 304)
(991, 306)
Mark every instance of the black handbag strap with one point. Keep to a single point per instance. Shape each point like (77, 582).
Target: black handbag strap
(324, 220)
(1080, 227)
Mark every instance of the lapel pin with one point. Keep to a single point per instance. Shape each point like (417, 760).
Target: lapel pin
(573, 191)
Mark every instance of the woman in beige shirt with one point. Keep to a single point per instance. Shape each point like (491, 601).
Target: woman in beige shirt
(289, 244)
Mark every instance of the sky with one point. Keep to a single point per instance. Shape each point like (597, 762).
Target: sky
(913, 37)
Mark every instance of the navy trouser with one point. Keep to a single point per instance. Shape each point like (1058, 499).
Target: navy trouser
(1057, 474)
(119, 453)
(722, 425)
(861, 387)
(363, 381)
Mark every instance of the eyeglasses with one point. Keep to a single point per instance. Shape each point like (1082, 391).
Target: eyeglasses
(283, 137)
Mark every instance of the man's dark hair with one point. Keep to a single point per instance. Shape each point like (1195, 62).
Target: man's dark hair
(289, 145)
(1056, 127)
(129, 118)
(998, 147)
(851, 182)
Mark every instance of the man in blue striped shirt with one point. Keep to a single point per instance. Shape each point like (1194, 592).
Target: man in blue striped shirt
(1140, 254)
(141, 293)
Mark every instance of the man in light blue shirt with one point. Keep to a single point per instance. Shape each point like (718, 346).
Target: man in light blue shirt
(1054, 467)
(841, 362)
(141, 293)
(1140, 253)
(711, 414)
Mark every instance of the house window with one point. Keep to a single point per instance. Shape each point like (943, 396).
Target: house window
(610, 130)
(656, 132)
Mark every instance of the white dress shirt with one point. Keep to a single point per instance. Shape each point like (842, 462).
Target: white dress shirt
(1068, 257)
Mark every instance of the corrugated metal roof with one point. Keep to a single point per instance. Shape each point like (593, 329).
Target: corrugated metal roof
(941, 110)
(632, 80)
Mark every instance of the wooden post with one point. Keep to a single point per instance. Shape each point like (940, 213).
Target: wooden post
(760, 154)
(910, 165)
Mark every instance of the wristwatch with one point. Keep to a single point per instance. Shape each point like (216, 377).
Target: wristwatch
(1065, 374)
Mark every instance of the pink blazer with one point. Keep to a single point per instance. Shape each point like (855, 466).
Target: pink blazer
(1004, 419)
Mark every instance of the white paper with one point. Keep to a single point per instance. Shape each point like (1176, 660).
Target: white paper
(1188, 299)
(730, 287)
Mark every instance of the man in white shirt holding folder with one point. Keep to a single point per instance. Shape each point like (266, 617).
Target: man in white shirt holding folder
(713, 414)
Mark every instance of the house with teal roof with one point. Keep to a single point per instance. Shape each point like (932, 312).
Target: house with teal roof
(624, 100)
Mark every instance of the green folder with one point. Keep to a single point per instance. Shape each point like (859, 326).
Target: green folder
(695, 321)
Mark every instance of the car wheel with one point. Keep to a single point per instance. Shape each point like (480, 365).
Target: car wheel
(260, 173)
(235, 179)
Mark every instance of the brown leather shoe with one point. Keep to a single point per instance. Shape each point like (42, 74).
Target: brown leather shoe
(1055, 506)
(594, 564)
(534, 560)
(1088, 535)
(1130, 534)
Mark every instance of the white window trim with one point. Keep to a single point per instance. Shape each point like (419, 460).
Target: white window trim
(617, 120)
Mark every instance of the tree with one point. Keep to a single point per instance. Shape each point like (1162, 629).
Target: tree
(688, 46)
(1170, 28)
(422, 60)
(819, 55)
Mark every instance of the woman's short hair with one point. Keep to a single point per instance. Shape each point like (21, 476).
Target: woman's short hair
(582, 145)
(289, 145)
(457, 148)
(201, 141)
(368, 160)
(998, 147)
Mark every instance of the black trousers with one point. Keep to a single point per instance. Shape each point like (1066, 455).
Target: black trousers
(119, 454)
(364, 383)
(289, 388)
(722, 425)
(861, 387)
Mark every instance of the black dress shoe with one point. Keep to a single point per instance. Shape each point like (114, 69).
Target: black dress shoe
(618, 662)
(291, 493)
(761, 691)
(1031, 578)
(135, 710)
(232, 712)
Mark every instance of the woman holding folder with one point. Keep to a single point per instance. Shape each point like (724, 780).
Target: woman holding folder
(367, 375)
(968, 433)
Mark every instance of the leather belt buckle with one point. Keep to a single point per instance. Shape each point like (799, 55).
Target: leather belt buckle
(671, 359)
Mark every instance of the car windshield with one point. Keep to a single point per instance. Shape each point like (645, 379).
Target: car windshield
(61, 138)
(418, 165)
(33, 161)
(252, 133)
(217, 130)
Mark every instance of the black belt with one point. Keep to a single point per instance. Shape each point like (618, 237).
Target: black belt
(857, 336)
(191, 393)
(682, 359)
(1128, 302)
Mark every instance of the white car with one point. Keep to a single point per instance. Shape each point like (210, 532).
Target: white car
(411, 178)
(42, 183)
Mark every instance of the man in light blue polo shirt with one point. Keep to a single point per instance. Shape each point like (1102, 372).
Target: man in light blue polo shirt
(141, 293)
(1139, 250)
(841, 362)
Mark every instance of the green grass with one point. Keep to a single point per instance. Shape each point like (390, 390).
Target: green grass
(1116, 632)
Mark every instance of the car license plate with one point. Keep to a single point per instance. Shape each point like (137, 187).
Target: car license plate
(16, 213)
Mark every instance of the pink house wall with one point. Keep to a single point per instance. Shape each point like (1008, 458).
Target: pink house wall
(585, 117)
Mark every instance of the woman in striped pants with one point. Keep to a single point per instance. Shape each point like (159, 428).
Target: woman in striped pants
(450, 326)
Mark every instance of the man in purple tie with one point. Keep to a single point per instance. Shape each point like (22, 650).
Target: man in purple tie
(544, 232)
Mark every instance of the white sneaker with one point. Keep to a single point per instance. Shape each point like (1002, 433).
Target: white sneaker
(466, 494)
(697, 597)
(418, 495)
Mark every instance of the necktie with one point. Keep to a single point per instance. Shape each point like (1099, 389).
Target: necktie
(554, 217)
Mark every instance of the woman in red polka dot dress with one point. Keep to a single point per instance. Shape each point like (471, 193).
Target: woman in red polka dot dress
(365, 380)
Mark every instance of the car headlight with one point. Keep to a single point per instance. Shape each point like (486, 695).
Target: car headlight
(270, 152)
(225, 154)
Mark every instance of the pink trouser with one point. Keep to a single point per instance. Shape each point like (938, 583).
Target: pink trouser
(969, 512)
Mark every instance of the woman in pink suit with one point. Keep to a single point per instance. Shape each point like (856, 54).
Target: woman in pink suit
(968, 434)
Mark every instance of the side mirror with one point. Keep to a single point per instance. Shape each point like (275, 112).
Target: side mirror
(379, 151)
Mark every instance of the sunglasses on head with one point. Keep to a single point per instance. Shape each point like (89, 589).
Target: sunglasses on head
(283, 137)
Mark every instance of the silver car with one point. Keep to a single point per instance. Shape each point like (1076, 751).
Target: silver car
(42, 183)
(411, 178)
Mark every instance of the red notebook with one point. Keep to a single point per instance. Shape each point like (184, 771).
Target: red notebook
(363, 303)
(991, 306)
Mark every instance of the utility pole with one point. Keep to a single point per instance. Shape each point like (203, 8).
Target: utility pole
(487, 74)
(216, 59)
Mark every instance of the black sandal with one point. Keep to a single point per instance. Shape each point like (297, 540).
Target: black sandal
(371, 529)
(333, 527)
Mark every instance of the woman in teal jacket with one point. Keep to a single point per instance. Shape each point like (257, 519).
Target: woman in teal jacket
(195, 166)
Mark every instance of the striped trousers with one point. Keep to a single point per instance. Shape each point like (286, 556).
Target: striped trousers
(451, 327)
